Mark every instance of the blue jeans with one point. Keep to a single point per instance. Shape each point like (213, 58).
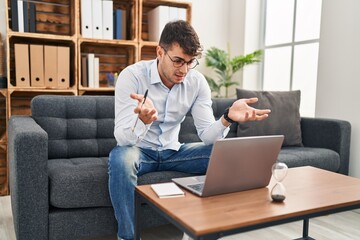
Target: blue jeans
(127, 163)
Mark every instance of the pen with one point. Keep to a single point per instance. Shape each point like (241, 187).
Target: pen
(145, 96)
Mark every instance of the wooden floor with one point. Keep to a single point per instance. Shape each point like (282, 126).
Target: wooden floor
(340, 226)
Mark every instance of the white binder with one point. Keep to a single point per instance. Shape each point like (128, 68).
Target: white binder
(97, 19)
(173, 13)
(107, 14)
(96, 72)
(20, 6)
(91, 77)
(157, 19)
(86, 19)
(160, 16)
(182, 13)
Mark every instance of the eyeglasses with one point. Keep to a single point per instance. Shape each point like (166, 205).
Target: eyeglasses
(179, 62)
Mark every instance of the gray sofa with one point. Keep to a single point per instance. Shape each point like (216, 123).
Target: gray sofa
(58, 164)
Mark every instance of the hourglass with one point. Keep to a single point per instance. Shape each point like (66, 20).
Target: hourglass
(278, 192)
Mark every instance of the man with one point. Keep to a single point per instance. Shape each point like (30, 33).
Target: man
(148, 140)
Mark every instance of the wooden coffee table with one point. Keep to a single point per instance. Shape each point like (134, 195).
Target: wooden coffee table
(311, 192)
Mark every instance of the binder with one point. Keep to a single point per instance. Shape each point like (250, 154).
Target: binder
(37, 65)
(173, 13)
(84, 72)
(26, 15)
(96, 18)
(176, 13)
(63, 67)
(14, 15)
(157, 19)
(182, 14)
(107, 21)
(90, 64)
(86, 19)
(20, 7)
(22, 68)
(50, 66)
(96, 72)
(119, 24)
(32, 17)
(160, 16)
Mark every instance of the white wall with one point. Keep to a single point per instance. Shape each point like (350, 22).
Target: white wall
(233, 23)
(339, 70)
(220, 23)
(210, 21)
(252, 42)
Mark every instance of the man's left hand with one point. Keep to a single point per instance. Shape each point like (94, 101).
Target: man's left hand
(240, 111)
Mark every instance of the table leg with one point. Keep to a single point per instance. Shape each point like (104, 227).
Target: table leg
(305, 231)
(137, 217)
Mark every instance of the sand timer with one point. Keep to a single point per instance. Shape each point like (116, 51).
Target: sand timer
(279, 171)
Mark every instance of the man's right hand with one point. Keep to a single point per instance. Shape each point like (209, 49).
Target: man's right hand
(147, 112)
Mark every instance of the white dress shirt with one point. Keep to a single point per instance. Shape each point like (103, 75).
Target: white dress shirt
(193, 94)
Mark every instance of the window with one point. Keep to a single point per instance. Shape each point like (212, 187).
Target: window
(291, 44)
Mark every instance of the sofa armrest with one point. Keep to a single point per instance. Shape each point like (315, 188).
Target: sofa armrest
(28, 156)
(328, 133)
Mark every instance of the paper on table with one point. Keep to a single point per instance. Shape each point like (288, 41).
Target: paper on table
(167, 190)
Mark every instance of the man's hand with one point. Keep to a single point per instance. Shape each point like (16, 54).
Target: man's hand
(240, 111)
(147, 112)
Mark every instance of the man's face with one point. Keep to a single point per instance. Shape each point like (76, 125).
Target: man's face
(169, 66)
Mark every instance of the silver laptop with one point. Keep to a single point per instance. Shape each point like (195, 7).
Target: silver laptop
(236, 164)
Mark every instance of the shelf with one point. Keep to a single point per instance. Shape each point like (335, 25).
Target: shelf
(58, 23)
(147, 5)
(107, 41)
(50, 17)
(148, 52)
(132, 11)
(19, 101)
(67, 42)
(97, 91)
(43, 90)
(39, 36)
(113, 58)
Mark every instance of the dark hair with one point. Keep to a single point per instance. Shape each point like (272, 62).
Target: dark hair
(182, 33)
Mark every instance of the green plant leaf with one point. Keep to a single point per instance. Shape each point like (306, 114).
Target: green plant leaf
(216, 59)
(224, 67)
(239, 62)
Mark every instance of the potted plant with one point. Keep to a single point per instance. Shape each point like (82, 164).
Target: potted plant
(225, 67)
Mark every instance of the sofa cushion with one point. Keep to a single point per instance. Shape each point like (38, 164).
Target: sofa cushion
(78, 182)
(284, 117)
(77, 126)
(305, 156)
(82, 182)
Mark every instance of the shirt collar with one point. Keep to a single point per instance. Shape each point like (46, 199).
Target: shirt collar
(154, 74)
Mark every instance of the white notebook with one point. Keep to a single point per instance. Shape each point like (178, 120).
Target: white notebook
(167, 190)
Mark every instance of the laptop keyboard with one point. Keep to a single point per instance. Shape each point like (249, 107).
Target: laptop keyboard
(197, 187)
